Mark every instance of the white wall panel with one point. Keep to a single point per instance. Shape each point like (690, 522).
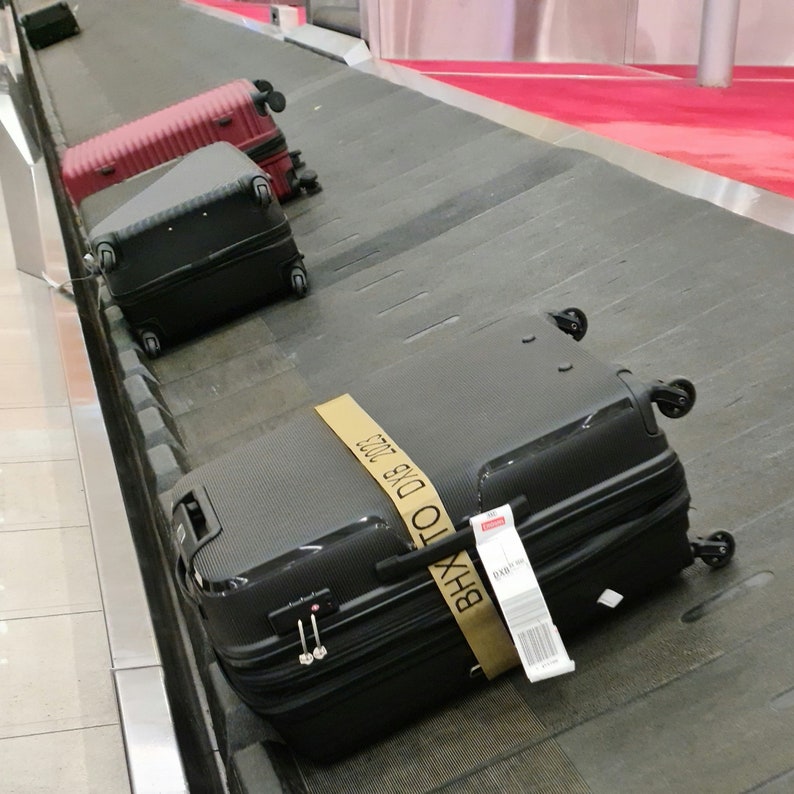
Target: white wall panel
(669, 32)
(609, 31)
(443, 29)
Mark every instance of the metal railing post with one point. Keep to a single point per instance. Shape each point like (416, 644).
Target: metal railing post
(718, 29)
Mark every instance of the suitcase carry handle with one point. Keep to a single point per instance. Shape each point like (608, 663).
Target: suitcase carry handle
(195, 523)
(400, 565)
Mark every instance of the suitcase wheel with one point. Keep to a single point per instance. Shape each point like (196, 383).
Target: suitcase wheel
(106, 256)
(263, 85)
(262, 192)
(299, 282)
(579, 327)
(297, 160)
(277, 101)
(571, 321)
(674, 399)
(151, 343)
(717, 550)
(308, 182)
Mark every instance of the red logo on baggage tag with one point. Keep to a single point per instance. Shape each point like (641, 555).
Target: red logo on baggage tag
(493, 523)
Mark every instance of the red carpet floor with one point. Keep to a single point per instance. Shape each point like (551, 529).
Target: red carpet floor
(745, 132)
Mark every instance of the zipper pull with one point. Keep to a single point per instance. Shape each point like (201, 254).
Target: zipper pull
(319, 651)
(305, 657)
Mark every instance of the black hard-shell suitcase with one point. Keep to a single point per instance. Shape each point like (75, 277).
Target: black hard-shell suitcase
(49, 25)
(204, 242)
(291, 525)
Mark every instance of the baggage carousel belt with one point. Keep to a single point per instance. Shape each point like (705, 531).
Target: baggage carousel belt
(432, 223)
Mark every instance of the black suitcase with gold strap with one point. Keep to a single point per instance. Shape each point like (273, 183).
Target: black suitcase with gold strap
(314, 579)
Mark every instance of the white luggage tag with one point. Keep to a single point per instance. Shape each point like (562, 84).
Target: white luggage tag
(516, 588)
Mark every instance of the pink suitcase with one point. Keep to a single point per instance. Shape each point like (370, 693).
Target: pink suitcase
(236, 112)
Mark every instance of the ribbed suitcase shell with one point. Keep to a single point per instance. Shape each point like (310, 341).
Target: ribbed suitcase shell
(517, 409)
(226, 113)
(196, 245)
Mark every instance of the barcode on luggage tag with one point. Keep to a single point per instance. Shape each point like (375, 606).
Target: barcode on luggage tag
(527, 617)
(537, 643)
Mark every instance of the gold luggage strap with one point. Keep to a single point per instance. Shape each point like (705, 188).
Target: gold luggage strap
(427, 521)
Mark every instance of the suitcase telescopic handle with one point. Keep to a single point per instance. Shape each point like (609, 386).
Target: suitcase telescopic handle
(401, 565)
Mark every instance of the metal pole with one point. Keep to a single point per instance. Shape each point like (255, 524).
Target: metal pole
(718, 29)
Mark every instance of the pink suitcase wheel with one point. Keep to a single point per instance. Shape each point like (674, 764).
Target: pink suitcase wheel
(263, 85)
(276, 101)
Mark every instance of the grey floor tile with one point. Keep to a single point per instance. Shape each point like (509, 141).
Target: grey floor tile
(9, 278)
(36, 434)
(19, 345)
(28, 384)
(42, 494)
(13, 312)
(56, 674)
(65, 578)
(87, 761)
